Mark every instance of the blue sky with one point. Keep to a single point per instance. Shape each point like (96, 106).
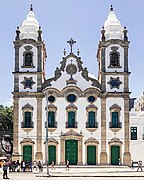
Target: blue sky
(80, 19)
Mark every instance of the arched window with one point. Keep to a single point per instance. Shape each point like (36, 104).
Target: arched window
(28, 59)
(114, 59)
(71, 116)
(27, 116)
(115, 116)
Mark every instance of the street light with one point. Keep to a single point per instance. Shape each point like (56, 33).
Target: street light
(47, 156)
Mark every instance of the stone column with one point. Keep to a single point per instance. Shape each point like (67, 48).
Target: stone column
(103, 154)
(39, 154)
(62, 151)
(15, 129)
(126, 155)
(80, 152)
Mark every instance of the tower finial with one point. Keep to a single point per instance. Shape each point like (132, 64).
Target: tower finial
(31, 8)
(111, 9)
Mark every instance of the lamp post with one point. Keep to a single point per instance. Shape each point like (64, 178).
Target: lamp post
(47, 156)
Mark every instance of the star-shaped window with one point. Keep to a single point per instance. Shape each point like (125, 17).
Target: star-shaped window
(114, 82)
(28, 82)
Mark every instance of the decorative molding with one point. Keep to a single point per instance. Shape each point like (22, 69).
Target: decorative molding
(91, 140)
(114, 82)
(115, 140)
(71, 132)
(27, 140)
(28, 106)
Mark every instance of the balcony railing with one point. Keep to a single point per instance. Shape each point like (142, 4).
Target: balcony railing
(27, 125)
(111, 125)
(51, 125)
(88, 125)
(68, 125)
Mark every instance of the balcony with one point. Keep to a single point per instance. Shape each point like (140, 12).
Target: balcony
(111, 125)
(91, 128)
(115, 128)
(27, 125)
(74, 125)
(88, 125)
(54, 125)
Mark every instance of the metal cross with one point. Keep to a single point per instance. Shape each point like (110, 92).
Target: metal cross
(71, 43)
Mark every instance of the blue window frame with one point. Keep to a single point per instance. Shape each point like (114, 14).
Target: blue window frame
(91, 119)
(51, 119)
(115, 119)
(71, 119)
(28, 120)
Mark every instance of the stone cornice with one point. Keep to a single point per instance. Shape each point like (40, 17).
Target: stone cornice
(28, 94)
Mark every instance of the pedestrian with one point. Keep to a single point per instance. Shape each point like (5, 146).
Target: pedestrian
(40, 166)
(119, 162)
(35, 165)
(67, 164)
(5, 168)
(139, 165)
(52, 165)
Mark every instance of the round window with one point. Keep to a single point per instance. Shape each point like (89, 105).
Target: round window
(51, 98)
(71, 98)
(91, 99)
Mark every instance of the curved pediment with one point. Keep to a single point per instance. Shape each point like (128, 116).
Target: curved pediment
(91, 140)
(71, 132)
(27, 140)
(115, 140)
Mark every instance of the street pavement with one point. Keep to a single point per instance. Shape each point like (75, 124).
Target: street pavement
(80, 173)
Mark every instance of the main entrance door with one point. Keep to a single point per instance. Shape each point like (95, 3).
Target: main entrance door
(91, 155)
(27, 153)
(52, 153)
(71, 151)
(115, 155)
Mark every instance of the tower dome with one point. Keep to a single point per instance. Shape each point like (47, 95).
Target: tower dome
(30, 26)
(112, 26)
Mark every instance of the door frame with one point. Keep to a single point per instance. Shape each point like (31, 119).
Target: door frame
(115, 144)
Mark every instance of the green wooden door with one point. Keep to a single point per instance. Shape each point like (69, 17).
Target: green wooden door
(52, 153)
(91, 155)
(71, 151)
(27, 153)
(115, 155)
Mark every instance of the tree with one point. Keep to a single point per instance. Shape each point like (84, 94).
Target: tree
(6, 127)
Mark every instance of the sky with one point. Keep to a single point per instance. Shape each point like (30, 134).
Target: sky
(81, 20)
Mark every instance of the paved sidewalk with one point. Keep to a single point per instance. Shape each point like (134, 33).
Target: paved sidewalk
(98, 171)
(79, 172)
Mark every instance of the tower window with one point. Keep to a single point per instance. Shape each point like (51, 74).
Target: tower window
(114, 59)
(28, 59)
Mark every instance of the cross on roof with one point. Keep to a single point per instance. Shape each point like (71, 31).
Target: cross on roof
(71, 43)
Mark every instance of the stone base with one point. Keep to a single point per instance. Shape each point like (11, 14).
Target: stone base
(15, 156)
(39, 156)
(127, 158)
(103, 158)
(80, 163)
(62, 163)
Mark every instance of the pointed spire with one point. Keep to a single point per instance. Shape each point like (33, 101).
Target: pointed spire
(31, 8)
(111, 8)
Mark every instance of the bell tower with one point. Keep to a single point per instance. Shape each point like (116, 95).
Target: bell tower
(29, 74)
(113, 76)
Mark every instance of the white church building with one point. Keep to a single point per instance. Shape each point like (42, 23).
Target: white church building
(88, 119)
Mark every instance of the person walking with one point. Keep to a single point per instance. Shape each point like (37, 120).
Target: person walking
(67, 164)
(52, 165)
(139, 165)
(5, 168)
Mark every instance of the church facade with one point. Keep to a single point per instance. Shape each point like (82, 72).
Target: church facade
(79, 118)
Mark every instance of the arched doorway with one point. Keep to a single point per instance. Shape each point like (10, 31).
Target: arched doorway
(71, 151)
(91, 155)
(52, 153)
(27, 153)
(115, 155)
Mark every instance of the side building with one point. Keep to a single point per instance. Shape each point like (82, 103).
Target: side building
(88, 118)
